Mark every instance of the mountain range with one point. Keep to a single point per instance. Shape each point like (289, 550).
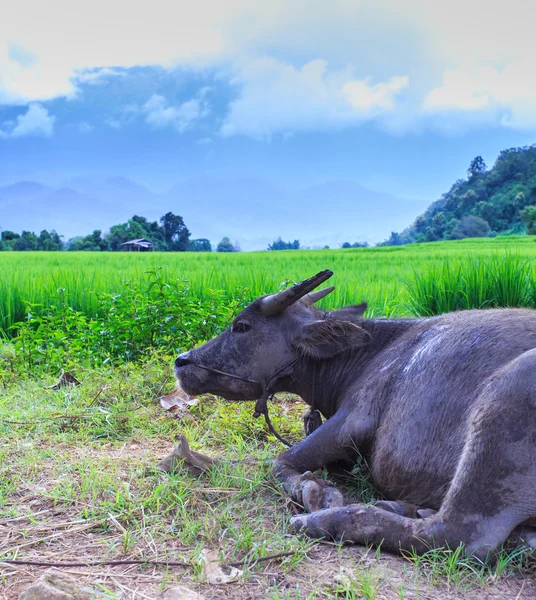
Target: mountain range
(251, 210)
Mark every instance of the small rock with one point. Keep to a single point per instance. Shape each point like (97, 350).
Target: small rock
(181, 593)
(55, 585)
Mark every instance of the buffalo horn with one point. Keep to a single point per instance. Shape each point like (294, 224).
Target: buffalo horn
(276, 303)
(310, 299)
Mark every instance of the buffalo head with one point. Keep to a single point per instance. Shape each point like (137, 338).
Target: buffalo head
(272, 332)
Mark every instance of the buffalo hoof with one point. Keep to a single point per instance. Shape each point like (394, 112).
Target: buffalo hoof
(315, 527)
(317, 494)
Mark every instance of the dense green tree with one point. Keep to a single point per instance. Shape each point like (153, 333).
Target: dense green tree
(528, 216)
(200, 245)
(89, 243)
(133, 229)
(470, 226)
(151, 231)
(76, 244)
(119, 234)
(225, 246)
(7, 239)
(26, 241)
(476, 167)
(176, 234)
(420, 225)
(49, 241)
(279, 244)
(9, 236)
(98, 241)
(356, 245)
(466, 202)
(394, 240)
(439, 224)
(171, 235)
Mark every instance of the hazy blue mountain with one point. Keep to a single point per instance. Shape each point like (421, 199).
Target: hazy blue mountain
(22, 189)
(261, 211)
(251, 210)
(119, 191)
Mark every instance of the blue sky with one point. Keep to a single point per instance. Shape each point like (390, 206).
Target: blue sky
(395, 96)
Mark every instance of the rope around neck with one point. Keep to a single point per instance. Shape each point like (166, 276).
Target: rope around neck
(261, 406)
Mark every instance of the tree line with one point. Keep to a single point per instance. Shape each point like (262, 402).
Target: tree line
(500, 200)
(169, 234)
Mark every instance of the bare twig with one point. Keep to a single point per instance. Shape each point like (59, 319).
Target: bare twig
(156, 563)
(45, 420)
(104, 387)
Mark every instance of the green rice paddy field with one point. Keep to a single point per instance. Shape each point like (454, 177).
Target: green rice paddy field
(377, 275)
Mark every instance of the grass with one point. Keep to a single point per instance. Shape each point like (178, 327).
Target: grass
(88, 482)
(498, 280)
(452, 568)
(85, 488)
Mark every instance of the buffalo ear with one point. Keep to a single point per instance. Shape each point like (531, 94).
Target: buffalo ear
(324, 339)
(348, 313)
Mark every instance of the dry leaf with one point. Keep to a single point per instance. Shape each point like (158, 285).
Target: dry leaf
(211, 571)
(183, 455)
(65, 379)
(178, 400)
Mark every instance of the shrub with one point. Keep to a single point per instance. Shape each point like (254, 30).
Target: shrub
(127, 325)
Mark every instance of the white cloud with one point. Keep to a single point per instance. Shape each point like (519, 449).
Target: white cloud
(463, 59)
(506, 96)
(35, 121)
(374, 98)
(458, 92)
(84, 127)
(97, 76)
(113, 123)
(160, 114)
(278, 97)
(74, 40)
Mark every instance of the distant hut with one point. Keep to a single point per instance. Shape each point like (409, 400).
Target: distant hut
(141, 245)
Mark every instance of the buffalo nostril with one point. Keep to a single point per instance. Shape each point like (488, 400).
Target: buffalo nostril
(182, 360)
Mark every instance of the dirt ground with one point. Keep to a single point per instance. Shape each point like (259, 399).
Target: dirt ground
(56, 533)
(80, 492)
(319, 576)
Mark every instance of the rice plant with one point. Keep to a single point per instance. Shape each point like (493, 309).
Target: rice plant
(432, 272)
(461, 283)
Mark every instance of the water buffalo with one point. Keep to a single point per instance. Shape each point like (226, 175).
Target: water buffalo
(443, 408)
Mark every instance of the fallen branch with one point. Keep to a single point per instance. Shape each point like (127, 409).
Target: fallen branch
(154, 563)
(45, 420)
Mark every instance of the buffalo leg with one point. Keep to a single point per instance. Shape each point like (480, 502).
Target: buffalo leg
(360, 524)
(328, 444)
(492, 492)
(405, 509)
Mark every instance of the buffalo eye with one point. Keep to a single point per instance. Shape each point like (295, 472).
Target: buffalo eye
(240, 327)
